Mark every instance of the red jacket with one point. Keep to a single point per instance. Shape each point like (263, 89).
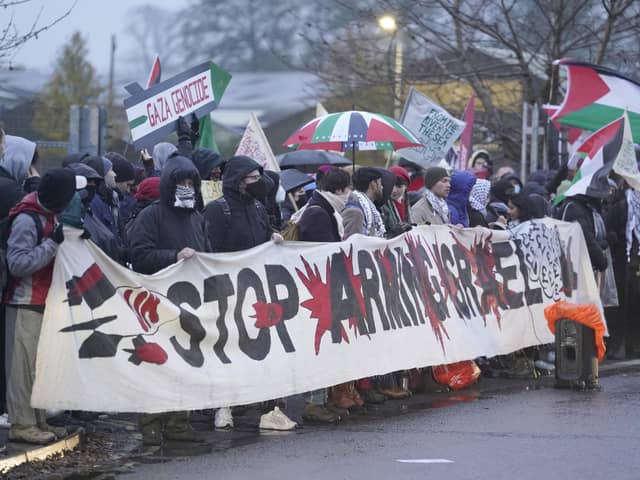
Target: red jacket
(30, 260)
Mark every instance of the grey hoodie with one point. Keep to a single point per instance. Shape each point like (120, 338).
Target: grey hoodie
(18, 153)
(14, 168)
(161, 153)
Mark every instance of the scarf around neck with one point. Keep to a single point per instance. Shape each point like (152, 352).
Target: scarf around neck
(372, 217)
(439, 205)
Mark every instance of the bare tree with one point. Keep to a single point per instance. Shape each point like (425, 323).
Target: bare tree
(154, 31)
(479, 42)
(11, 38)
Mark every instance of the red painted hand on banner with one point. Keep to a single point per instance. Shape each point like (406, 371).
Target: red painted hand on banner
(267, 314)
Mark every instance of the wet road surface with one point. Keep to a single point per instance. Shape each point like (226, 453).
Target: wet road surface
(515, 433)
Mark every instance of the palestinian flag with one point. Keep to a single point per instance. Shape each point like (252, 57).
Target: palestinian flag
(592, 177)
(597, 96)
(155, 74)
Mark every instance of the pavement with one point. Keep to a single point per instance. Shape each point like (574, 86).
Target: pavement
(110, 445)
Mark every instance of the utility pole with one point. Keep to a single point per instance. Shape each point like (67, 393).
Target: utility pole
(112, 72)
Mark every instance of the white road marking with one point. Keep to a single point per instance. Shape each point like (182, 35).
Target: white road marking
(425, 460)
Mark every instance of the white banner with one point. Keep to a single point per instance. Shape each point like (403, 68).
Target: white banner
(436, 128)
(237, 328)
(254, 144)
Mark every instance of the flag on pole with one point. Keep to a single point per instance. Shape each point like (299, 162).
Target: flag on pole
(467, 134)
(320, 110)
(254, 144)
(596, 96)
(592, 177)
(206, 136)
(587, 143)
(155, 73)
(575, 136)
(625, 163)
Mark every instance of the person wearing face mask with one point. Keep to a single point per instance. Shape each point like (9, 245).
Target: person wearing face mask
(125, 177)
(299, 196)
(432, 208)
(31, 248)
(97, 231)
(238, 220)
(105, 204)
(162, 234)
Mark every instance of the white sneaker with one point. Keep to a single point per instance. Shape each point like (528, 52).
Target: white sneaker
(276, 420)
(224, 418)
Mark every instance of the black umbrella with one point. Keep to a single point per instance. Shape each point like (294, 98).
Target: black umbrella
(309, 160)
(292, 179)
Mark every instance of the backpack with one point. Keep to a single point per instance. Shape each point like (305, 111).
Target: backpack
(226, 210)
(5, 230)
(292, 230)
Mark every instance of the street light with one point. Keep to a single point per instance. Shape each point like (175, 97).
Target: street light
(388, 24)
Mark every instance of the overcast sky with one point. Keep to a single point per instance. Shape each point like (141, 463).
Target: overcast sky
(96, 19)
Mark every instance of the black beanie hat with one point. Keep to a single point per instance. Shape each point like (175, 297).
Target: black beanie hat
(123, 168)
(433, 175)
(56, 189)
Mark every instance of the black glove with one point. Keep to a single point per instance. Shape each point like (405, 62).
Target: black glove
(195, 128)
(57, 235)
(86, 235)
(399, 229)
(183, 128)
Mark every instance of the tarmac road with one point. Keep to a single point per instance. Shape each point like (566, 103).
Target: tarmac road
(523, 434)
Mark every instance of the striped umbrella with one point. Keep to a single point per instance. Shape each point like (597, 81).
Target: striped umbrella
(353, 130)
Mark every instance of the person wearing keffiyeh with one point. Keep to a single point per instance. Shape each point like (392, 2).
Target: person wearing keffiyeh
(360, 214)
(432, 208)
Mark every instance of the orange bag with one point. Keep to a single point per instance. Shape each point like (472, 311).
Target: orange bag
(588, 315)
(457, 375)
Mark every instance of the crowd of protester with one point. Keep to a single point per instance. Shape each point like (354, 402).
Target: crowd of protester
(150, 216)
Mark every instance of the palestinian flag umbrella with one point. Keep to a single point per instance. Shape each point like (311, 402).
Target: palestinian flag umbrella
(597, 96)
(352, 130)
(309, 160)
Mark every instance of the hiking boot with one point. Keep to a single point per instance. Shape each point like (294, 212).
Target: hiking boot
(355, 395)
(59, 432)
(341, 396)
(276, 420)
(152, 434)
(522, 368)
(319, 414)
(395, 393)
(30, 434)
(223, 418)
(341, 412)
(178, 429)
(371, 396)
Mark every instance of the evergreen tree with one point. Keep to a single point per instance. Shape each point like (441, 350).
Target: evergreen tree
(73, 82)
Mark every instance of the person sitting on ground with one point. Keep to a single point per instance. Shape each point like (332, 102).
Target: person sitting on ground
(432, 208)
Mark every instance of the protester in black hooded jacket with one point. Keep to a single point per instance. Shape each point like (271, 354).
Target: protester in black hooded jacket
(238, 220)
(580, 208)
(163, 233)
